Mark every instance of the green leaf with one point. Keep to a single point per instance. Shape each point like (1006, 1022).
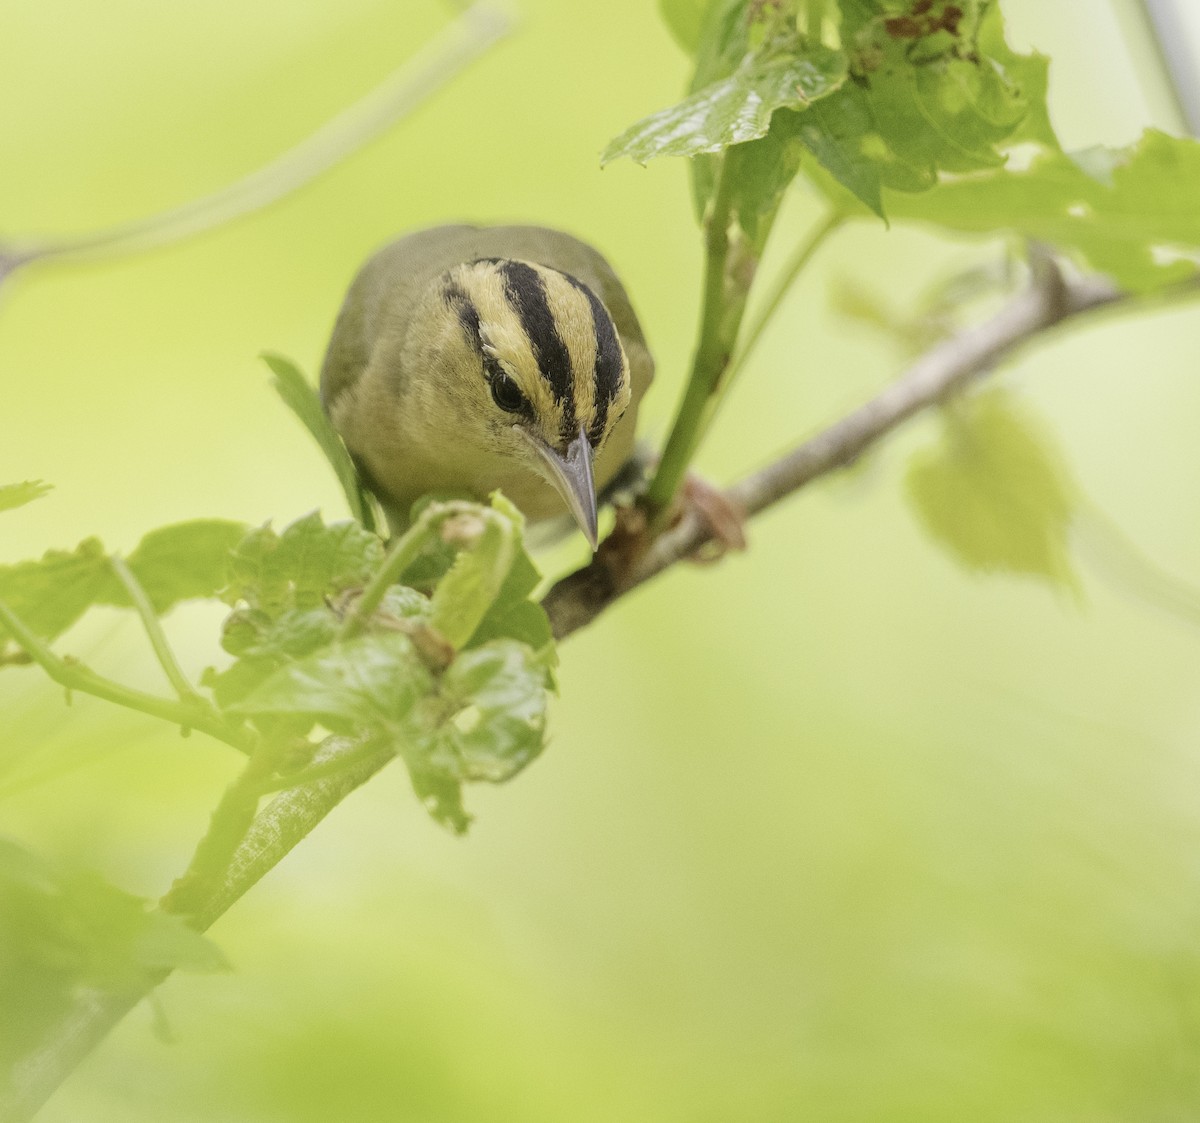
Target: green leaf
(758, 173)
(467, 593)
(302, 566)
(497, 726)
(934, 93)
(1143, 229)
(64, 928)
(50, 594)
(187, 561)
(835, 132)
(735, 109)
(488, 723)
(367, 685)
(175, 563)
(17, 495)
(303, 400)
(994, 492)
(685, 18)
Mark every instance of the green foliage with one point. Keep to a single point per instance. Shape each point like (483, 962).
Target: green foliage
(994, 492)
(64, 928)
(17, 495)
(302, 399)
(1129, 213)
(456, 701)
(186, 561)
(403, 683)
(735, 109)
(914, 115)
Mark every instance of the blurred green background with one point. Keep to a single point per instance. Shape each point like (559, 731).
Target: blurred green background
(830, 832)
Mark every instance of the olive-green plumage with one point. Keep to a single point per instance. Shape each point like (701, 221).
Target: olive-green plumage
(467, 359)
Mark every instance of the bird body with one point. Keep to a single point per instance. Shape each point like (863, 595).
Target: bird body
(466, 359)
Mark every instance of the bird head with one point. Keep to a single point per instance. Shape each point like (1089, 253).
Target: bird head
(529, 360)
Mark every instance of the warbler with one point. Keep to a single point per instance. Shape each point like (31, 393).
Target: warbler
(466, 359)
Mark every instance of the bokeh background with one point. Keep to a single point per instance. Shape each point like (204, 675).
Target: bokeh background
(833, 831)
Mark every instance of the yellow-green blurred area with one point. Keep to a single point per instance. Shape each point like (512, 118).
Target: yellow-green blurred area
(832, 831)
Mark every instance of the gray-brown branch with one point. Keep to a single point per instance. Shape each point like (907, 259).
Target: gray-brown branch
(578, 599)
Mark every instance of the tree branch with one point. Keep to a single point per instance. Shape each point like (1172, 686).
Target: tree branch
(579, 598)
(476, 30)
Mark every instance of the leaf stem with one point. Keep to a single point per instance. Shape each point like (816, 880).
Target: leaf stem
(231, 820)
(158, 638)
(194, 713)
(718, 329)
(402, 554)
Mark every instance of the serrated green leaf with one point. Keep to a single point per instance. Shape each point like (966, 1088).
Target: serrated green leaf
(735, 109)
(17, 495)
(369, 684)
(926, 100)
(758, 174)
(301, 397)
(994, 492)
(175, 563)
(1143, 230)
(499, 692)
(302, 566)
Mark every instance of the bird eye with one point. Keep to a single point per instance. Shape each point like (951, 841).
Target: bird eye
(507, 394)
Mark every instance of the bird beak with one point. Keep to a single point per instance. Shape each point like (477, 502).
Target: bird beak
(572, 477)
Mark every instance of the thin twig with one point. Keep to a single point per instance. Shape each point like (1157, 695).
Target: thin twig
(194, 713)
(158, 640)
(475, 31)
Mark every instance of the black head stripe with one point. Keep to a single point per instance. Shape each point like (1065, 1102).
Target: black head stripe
(468, 315)
(464, 308)
(609, 363)
(526, 292)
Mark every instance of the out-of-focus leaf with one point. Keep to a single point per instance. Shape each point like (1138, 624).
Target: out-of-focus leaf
(17, 495)
(735, 109)
(187, 561)
(367, 684)
(994, 492)
(62, 929)
(302, 399)
(300, 567)
(50, 594)
(1143, 230)
(685, 18)
(175, 563)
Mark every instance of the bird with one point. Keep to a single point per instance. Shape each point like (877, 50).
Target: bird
(466, 360)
